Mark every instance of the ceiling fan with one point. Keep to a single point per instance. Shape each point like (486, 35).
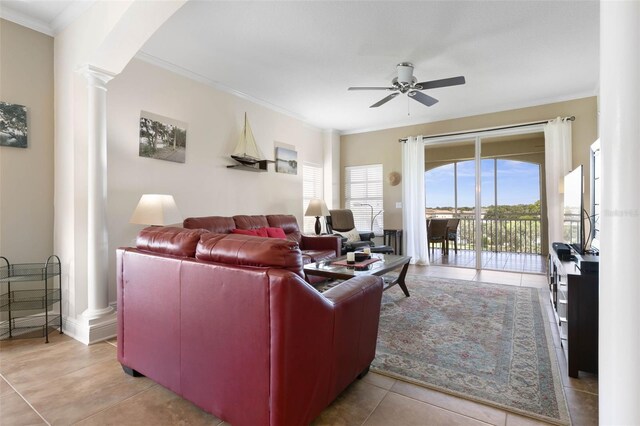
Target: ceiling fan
(405, 82)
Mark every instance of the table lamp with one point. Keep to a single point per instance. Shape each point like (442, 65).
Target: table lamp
(317, 208)
(157, 210)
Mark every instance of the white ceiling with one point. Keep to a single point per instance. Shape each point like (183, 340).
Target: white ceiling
(46, 16)
(299, 57)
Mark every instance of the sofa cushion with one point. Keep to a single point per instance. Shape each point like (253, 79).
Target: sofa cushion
(246, 250)
(215, 224)
(250, 222)
(169, 240)
(273, 232)
(288, 223)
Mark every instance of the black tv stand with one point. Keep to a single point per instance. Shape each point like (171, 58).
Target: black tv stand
(573, 287)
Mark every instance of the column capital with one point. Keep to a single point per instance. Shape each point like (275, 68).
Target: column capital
(96, 77)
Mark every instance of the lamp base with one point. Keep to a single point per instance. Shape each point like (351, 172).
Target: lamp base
(318, 226)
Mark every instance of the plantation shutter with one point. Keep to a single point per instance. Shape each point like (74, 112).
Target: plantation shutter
(363, 196)
(311, 188)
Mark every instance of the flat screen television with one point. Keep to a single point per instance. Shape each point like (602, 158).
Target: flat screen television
(573, 226)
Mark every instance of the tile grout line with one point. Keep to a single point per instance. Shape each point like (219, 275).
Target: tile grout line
(579, 390)
(448, 409)
(113, 405)
(377, 405)
(25, 400)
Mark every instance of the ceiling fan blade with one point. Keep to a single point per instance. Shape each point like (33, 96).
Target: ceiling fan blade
(422, 98)
(385, 100)
(371, 88)
(434, 84)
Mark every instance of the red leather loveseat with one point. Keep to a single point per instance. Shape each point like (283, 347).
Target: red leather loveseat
(228, 322)
(314, 249)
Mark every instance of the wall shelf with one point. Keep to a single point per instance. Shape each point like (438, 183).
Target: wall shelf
(260, 166)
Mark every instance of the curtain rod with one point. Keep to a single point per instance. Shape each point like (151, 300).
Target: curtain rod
(512, 126)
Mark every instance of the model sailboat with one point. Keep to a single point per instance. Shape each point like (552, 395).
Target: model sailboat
(247, 152)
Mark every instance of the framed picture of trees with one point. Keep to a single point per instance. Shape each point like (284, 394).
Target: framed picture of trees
(13, 125)
(162, 138)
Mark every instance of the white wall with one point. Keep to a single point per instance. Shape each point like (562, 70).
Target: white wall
(202, 185)
(26, 175)
(96, 37)
(332, 169)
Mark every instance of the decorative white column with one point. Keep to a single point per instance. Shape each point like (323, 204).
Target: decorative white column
(97, 240)
(619, 338)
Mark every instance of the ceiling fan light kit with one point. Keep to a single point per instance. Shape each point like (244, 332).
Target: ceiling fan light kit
(405, 82)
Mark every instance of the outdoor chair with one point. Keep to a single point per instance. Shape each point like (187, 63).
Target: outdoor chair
(452, 233)
(437, 234)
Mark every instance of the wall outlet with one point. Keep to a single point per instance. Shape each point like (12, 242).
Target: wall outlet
(399, 205)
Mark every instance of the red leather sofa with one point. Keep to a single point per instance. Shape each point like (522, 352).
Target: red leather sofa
(228, 322)
(314, 249)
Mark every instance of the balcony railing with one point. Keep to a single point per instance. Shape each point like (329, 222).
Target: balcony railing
(502, 235)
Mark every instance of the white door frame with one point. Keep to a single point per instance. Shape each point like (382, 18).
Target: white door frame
(477, 138)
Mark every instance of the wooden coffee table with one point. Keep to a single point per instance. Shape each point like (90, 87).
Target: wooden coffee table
(387, 263)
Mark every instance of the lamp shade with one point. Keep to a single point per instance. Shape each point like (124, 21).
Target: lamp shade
(317, 207)
(156, 209)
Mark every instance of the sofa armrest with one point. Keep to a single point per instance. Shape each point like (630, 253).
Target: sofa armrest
(355, 245)
(328, 242)
(353, 288)
(320, 342)
(366, 236)
(356, 304)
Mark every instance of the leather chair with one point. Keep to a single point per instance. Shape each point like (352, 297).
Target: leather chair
(341, 220)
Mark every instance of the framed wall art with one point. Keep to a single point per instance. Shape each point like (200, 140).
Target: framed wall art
(286, 161)
(13, 125)
(162, 138)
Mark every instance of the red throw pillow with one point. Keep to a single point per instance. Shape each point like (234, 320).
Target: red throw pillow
(245, 232)
(261, 232)
(257, 232)
(276, 233)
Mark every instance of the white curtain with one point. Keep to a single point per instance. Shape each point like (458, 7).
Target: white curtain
(557, 157)
(413, 201)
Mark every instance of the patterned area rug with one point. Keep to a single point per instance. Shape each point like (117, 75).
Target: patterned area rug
(486, 342)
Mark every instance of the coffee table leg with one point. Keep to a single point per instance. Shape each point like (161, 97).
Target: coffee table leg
(401, 282)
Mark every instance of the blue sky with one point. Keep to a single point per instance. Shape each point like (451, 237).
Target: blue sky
(518, 183)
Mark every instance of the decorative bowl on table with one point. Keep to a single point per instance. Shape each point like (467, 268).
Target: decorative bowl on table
(360, 256)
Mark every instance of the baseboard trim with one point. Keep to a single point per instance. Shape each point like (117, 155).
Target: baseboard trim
(89, 333)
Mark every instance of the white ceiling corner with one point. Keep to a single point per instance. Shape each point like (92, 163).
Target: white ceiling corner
(45, 16)
(299, 57)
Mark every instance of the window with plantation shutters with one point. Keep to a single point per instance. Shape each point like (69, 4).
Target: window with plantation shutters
(363, 196)
(311, 188)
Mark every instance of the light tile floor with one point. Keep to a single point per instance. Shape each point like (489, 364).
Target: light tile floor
(516, 262)
(66, 382)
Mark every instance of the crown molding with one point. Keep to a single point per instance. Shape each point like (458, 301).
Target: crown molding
(25, 20)
(56, 25)
(153, 60)
(70, 14)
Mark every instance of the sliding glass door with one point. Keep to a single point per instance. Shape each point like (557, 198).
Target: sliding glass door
(450, 188)
(490, 191)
